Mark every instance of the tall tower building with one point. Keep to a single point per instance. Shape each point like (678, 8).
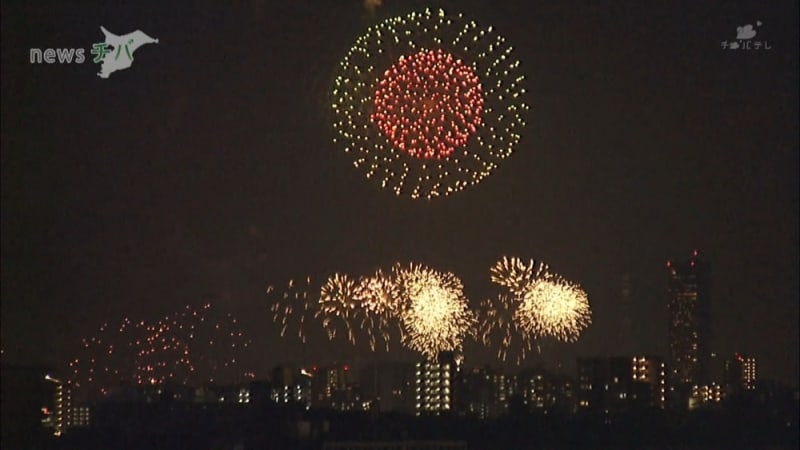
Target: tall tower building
(689, 325)
(625, 324)
(437, 385)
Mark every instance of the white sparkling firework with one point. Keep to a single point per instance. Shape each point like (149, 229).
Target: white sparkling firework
(552, 306)
(436, 315)
(515, 274)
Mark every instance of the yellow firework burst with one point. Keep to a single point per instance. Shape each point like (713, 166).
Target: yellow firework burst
(552, 306)
(338, 302)
(435, 315)
(515, 274)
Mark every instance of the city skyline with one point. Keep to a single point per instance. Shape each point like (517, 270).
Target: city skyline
(206, 173)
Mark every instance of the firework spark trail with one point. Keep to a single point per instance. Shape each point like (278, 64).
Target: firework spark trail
(430, 313)
(293, 309)
(498, 327)
(190, 346)
(538, 304)
(378, 299)
(428, 104)
(338, 302)
(515, 274)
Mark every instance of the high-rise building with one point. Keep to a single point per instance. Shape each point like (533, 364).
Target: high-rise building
(80, 417)
(603, 384)
(61, 416)
(486, 392)
(290, 385)
(437, 384)
(389, 387)
(689, 326)
(706, 396)
(740, 374)
(649, 381)
(544, 391)
(621, 384)
(334, 387)
(625, 323)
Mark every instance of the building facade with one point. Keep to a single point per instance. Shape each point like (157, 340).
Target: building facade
(389, 387)
(740, 374)
(334, 387)
(437, 385)
(290, 385)
(688, 292)
(543, 391)
(621, 384)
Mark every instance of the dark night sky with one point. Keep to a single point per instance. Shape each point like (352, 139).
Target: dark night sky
(206, 170)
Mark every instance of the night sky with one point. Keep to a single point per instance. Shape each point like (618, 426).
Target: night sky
(206, 171)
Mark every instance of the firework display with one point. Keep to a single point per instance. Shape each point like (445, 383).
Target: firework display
(436, 315)
(337, 304)
(379, 303)
(428, 104)
(552, 306)
(430, 313)
(291, 309)
(194, 345)
(498, 327)
(536, 304)
(514, 273)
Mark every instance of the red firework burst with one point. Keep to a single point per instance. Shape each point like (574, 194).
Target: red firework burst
(428, 104)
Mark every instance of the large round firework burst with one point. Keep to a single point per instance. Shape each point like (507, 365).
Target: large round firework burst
(552, 306)
(435, 315)
(536, 304)
(428, 104)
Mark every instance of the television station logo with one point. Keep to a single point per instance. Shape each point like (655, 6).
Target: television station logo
(744, 39)
(113, 54)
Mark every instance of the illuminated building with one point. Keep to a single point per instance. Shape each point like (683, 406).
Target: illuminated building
(27, 403)
(290, 385)
(389, 387)
(705, 396)
(80, 417)
(603, 384)
(334, 387)
(740, 373)
(243, 396)
(437, 385)
(60, 417)
(486, 392)
(619, 384)
(649, 372)
(478, 393)
(544, 391)
(689, 326)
